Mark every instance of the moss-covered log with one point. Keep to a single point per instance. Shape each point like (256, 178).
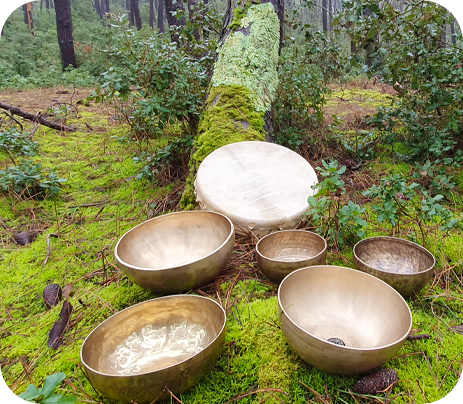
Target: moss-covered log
(239, 105)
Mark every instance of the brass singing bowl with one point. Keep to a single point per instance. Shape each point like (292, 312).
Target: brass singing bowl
(365, 319)
(142, 352)
(282, 252)
(176, 252)
(404, 265)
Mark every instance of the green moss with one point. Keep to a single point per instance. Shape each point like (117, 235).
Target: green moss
(251, 60)
(238, 13)
(229, 117)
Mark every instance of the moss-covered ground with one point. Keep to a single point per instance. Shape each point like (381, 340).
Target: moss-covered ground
(102, 199)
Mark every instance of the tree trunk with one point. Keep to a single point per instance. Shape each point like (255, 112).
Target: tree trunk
(161, 16)
(170, 8)
(41, 5)
(152, 17)
(47, 4)
(65, 34)
(330, 15)
(26, 19)
(136, 13)
(443, 37)
(1, 18)
(191, 14)
(325, 15)
(243, 85)
(369, 49)
(29, 18)
(107, 6)
(452, 32)
(98, 9)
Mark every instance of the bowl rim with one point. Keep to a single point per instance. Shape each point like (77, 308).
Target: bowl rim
(396, 240)
(259, 253)
(227, 239)
(86, 365)
(282, 310)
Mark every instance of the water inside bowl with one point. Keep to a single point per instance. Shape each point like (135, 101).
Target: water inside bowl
(155, 347)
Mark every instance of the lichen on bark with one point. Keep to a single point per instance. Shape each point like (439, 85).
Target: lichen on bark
(242, 88)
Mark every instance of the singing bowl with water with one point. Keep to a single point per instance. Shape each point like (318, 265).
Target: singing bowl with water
(282, 252)
(404, 265)
(167, 343)
(176, 252)
(349, 307)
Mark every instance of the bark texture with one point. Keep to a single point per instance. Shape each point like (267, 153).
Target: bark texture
(152, 14)
(325, 15)
(173, 6)
(243, 85)
(65, 32)
(161, 8)
(136, 13)
(98, 9)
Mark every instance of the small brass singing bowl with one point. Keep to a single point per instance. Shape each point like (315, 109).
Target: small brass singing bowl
(404, 265)
(176, 252)
(282, 252)
(142, 352)
(341, 320)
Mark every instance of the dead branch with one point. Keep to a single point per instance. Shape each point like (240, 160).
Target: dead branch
(37, 118)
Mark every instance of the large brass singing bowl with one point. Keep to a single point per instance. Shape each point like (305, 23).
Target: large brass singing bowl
(280, 253)
(341, 320)
(176, 252)
(404, 265)
(164, 344)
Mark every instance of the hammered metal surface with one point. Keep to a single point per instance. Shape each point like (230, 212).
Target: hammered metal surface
(176, 252)
(170, 342)
(404, 265)
(323, 302)
(281, 253)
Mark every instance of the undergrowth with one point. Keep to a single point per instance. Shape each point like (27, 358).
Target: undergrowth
(103, 198)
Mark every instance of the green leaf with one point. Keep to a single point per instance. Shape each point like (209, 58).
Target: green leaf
(31, 393)
(51, 382)
(60, 399)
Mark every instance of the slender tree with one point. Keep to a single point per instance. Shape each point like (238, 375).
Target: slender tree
(65, 32)
(135, 4)
(161, 7)
(152, 14)
(1, 17)
(107, 6)
(98, 9)
(47, 4)
(26, 21)
(171, 7)
(29, 18)
(330, 14)
(325, 15)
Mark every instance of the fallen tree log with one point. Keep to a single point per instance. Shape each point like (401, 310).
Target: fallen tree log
(37, 118)
(243, 85)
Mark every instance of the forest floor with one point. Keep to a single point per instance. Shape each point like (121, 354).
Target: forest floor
(72, 239)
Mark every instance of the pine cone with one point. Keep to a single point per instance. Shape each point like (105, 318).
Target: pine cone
(376, 382)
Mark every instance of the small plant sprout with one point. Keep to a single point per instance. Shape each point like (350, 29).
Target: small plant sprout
(337, 218)
(46, 394)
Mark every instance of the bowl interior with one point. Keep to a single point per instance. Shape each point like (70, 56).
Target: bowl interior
(394, 255)
(153, 335)
(291, 245)
(335, 302)
(174, 239)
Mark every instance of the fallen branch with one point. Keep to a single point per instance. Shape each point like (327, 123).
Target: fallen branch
(37, 118)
